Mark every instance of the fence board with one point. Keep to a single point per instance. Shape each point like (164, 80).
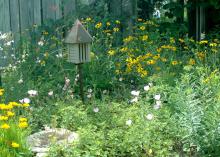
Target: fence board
(69, 7)
(15, 25)
(4, 16)
(37, 12)
(26, 14)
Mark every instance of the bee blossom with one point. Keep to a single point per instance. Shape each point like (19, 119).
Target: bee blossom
(89, 96)
(147, 88)
(96, 110)
(20, 81)
(120, 79)
(90, 90)
(32, 93)
(157, 97)
(25, 100)
(50, 93)
(40, 43)
(150, 116)
(135, 93)
(134, 100)
(104, 91)
(128, 122)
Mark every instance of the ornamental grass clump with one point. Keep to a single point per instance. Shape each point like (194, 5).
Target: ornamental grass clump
(13, 129)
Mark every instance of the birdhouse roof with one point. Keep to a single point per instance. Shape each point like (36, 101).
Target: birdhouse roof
(78, 34)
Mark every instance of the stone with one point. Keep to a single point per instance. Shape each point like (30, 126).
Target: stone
(40, 142)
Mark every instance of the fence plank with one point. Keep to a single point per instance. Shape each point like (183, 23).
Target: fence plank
(69, 7)
(37, 12)
(26, 14)
(51, 9)
(15, 25)
(4, 16)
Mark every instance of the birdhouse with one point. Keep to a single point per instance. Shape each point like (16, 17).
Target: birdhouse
(78, 42)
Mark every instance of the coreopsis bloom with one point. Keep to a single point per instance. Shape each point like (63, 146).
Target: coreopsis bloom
(10, 114)
(111, 52)
(142, 28)
(116, 29)
(3, 118)
(1, 91)
(22, 119)
(128, 122)
(23, 124)
(15, 145)
(98, 25)
(150, 116)
(5, 126)
(135, 93)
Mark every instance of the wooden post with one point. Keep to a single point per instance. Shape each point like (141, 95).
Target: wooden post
(81, 81)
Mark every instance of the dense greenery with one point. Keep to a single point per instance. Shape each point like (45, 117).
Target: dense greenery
(151, 90)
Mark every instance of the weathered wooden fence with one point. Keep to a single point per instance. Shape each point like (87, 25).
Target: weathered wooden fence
(18, 15)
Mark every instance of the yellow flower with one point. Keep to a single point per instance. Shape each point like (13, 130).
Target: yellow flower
(3, 118)
(192, 61)
(203, 42)
(25, 105)
(174, 62)
(98, 25)
(181, 40)
(156, 57)
(150, 151)
(213, 44)
(45, 33)
(22, 119)
(128, 39)
(108, 24)
(140, 19)
(10, 114)
(5, 126)
(15, 145)
(14, 104)
(117, 71)
(142, 28)
(145, 37)
(23, 124)
(123, 49)
(88, 19)
(172, 40)
(159, 50)
(115, 29)
(1, 91)
(117, 21)
(111, 52)
(163, 59)
(151, 62)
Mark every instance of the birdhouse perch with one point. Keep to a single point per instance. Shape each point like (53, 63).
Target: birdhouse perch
(78, 42)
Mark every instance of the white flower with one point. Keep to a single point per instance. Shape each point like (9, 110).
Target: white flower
(156, 107)
(32, 93)
(134, 100)
(147, 88)
(25, 100)
(96, 109)
(150, 116)
(20, 81)
(1, 49)
(158, 103)
(157, 97)
(132, 81)
(120, 79)
(89, 96)
(67, 81)
(40, 43)
(90, 90)
(50, 93)
(135, 93)
(104, 91)
(129, 122)
(150, 84)
(60, 55)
